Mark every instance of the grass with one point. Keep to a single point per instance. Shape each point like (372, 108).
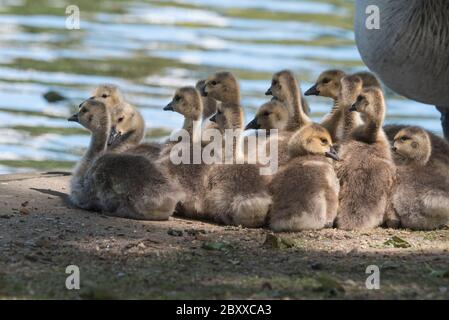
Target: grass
(41, 130)
(38, 164)
(135, 67)
(46, 7)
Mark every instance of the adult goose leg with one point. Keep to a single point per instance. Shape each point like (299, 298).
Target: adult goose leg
(444, 120)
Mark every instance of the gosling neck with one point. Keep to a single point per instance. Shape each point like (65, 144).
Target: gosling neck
(332, 120)
(193, 127)
(297, 116)
(350, 119)
(98, 143)
(233, 133)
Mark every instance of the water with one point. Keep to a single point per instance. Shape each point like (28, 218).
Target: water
(149, 48)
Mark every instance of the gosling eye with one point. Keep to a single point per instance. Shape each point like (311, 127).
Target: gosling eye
(121, 119)
(274, 83)
(266, 114)
(214, 83)
(404, 138)
(177, 98)
(104, 95)
(326, 80)
(359, 98)
(324, 141)
(84, 110)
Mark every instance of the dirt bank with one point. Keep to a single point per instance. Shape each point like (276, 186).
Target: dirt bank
(41, 234)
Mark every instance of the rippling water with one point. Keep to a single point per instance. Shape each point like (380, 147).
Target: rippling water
(149, 48)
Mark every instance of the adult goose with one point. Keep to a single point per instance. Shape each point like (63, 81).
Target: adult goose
(410, 49)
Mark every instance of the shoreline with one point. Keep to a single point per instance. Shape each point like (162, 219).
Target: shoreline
(41, 234)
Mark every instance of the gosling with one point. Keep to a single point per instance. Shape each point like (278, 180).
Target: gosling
(236, 193)
(273, 115)
(367, 171)
(328, 85)
(421, 197)
(189, 176)
(120, 185)
(305, 190)
(285, 88)
(127, 124)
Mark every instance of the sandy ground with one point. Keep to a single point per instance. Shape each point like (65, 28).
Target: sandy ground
(41, 234)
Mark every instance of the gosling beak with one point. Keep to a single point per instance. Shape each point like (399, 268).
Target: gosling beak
(332, 153)
(169, 107)
(269, 92)
(353, 108)
(114, 136)
(74, 118)
(252, 125)
(213, 118)
(313, 91)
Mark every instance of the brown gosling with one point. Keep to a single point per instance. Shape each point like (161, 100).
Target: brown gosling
(273, 115)
(285, 88)
(328, 85)
(305, 190)
(120, 185)
(189, 176)
(367, 171)
(127, 124)
(236, 194)
(421, 197)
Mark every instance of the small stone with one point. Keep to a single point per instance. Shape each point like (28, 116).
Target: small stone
(175, 233)
(141, 245)
(30, 243)
(43, 242)
(267, 286)
(31, 257)
(234, 261)
(24, 204)
(316, 266)
(24, 211)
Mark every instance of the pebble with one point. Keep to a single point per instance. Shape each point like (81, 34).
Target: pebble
(316, 266)
(24, 210)
(175, 233)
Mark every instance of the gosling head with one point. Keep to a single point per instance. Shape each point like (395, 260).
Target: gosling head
(222, 86)
(109, 94)
(369, 79)
(200, 86)
(127, 124)
(370, 103)
(281, 85)
(327, 85)
(413, 144)
(271, 115)
(186, 101)
(312, 139)
(93, 115)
